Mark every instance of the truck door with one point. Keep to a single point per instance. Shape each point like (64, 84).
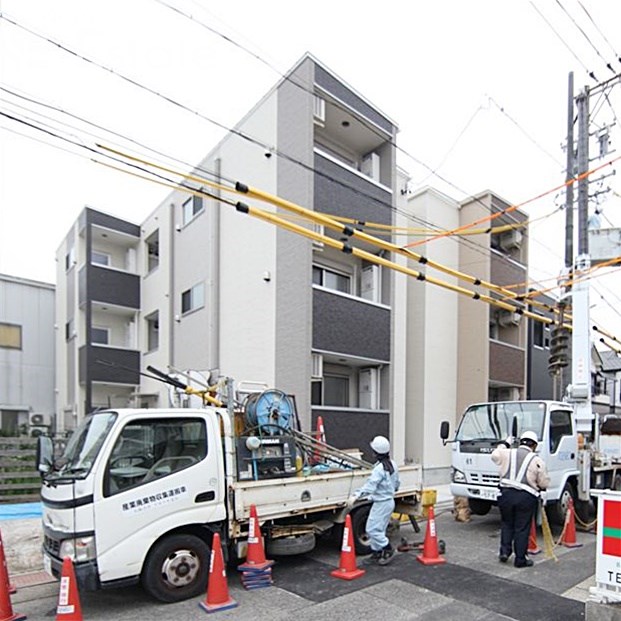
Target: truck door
(560, 448)
(162, 472)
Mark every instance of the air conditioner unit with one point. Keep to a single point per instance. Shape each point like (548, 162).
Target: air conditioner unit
(316, 366)
(39, 420)
(509, 318)
(511, 240)
(319, 111)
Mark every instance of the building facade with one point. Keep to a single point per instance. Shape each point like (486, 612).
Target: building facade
(27, 371)
(201, 286)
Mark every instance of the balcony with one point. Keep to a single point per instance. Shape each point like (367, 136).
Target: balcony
(101, 284)
(109, 364)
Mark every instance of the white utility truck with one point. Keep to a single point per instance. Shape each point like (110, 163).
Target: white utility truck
(138, 493)
(576, 463)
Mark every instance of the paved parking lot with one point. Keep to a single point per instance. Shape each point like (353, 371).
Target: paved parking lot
(471, 585)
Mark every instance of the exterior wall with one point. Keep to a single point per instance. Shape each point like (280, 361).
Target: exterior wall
(473, 350)
(432, 313)
(27, 375)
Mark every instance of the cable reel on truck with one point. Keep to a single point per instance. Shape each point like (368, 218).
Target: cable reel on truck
(271, 411)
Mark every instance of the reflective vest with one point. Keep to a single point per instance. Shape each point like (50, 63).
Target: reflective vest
(515, 477)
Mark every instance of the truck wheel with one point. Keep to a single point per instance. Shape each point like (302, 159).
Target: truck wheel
(290, 546)
(478, 506)
(176, 568)
(559, 508)
(362, 543)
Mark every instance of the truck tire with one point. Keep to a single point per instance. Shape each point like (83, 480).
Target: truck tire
(176, 568)
(359, 517)
(478, 506)
(558, 509)
(290, 546)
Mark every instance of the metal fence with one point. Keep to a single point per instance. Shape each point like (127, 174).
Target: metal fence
(19, 479)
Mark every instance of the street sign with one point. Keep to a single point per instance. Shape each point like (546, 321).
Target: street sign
(607, 587)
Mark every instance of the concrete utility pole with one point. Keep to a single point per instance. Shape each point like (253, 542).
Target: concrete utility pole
(569, 188)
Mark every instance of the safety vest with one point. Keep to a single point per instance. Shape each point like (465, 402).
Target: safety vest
(516, 474)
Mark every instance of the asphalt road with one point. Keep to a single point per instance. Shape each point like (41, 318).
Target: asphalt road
(471, 585)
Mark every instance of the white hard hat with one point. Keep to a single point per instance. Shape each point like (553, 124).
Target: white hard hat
(530, 436)
(380, 445)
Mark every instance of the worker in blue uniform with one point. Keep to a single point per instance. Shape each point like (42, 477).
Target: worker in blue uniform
(380, 488)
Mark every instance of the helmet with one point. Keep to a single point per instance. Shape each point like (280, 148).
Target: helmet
(529, 436)
(380, 445)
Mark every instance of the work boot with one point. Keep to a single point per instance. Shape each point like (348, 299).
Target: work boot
(374, 557)
(525, 563)
(386, 555)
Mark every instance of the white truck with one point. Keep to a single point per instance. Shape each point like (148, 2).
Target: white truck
(138, 494)
(576, 464)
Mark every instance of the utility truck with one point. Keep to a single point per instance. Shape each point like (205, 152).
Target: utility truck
(576, 463)
(139, 493)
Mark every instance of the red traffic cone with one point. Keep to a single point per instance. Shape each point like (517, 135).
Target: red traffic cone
(255, 557)
(568, 536)
(533, 548)
(217, 589)
(347, 567)
(68, 608)
(6, 609)
(430, 555)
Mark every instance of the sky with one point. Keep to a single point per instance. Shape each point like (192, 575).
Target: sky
(478, 90)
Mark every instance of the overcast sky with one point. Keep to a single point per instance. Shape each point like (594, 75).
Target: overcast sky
(477, 88)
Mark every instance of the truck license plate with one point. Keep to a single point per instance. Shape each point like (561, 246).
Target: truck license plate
(489, 494)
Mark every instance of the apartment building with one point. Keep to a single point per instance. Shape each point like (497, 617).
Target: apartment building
(461, 350)
(201, 286)
(27, 373)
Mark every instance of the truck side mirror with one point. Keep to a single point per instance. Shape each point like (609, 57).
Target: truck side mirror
(45, 454)
(444, 430)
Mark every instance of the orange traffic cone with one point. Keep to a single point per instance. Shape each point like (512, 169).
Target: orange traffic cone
(347, 567)
(430, 555)
(217, 589)
(255, 557)
(68, 608)
(6, 609)
(533, 548)
(568, 536)
(320, 436)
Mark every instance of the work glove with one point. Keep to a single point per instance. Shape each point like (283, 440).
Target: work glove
(351, 501)
(508, 441)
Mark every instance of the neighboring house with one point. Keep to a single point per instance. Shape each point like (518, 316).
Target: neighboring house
(27, 372)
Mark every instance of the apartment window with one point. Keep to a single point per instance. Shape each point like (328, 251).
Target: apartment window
(191, 208)
(331, 279)
(153, 251)
(332, 389)
(538, 330)
(70, 258)
(100, 336)
(10, 336)
(153, 331)
(100, 258)
(193, 298)
(69, 330)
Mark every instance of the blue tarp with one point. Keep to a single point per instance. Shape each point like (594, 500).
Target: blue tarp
(21, 511)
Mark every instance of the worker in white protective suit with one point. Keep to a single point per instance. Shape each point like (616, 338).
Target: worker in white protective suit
(380, 487)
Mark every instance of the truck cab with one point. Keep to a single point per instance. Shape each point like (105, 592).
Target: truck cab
(137, 495)
(484, 425)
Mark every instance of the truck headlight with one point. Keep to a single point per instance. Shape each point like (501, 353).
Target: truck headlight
(79, 549)
(458, 476)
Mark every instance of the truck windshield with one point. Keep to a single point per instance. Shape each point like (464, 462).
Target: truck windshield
(85, 444)
(494, 421)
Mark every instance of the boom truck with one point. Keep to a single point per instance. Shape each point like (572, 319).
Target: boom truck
(139, 493)
(581, 448)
